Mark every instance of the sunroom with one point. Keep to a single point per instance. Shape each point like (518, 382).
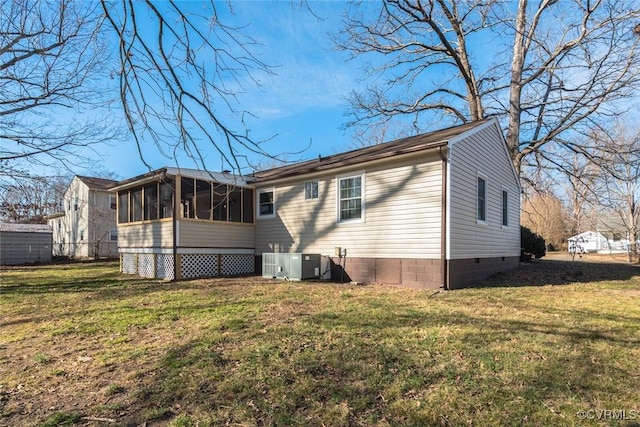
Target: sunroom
(178, 223)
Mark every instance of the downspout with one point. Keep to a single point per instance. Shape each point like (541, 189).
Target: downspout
(444, 267)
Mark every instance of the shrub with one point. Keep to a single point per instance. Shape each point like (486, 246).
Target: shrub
(531, 245)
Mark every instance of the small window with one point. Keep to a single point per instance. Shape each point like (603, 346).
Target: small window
(113, 235)
(482, 199)
(81, 235)
(112, 202)
(311, 190)
(350, 198)
(505, 208)
(75, 204)
(266, 203)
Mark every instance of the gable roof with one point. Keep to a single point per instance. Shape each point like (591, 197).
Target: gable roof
(412, 144)
(97, 183)
(24, 228)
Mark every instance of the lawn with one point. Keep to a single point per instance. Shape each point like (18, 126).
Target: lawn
(82, 345)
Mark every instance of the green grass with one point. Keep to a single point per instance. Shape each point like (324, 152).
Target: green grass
(82, 342)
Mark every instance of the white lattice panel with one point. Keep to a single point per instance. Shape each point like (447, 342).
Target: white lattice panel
(199, 265)
(232, 265)
(146, 264)
(164, 268)
(129, 265)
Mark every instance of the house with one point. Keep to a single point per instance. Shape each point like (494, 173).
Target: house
(589, 241)
(24, 243)
(86, 228)
(435, 210)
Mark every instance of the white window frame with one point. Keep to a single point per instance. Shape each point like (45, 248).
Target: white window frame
(479, 177)
(505, 212)
(341, 178)
(311, 195)
(111, 234)
(258, 210)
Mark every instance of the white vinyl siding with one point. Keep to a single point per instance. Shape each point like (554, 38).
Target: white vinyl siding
(156, 234)
(467, 238)
(204, 234)
(403, 214)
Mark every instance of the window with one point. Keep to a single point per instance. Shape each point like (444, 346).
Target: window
(187, 197)
(112, 202)
(151, 201)
(220, 202)
(350, 198)
(266, 203)
(203, 199)
(81, 235)
(235, 205)
(136, 204)
(166, 199)
(113, 235)
(482, 199)
(505, 208)
(123, 207)
(247, 205)
(311, 190)
(75, 204)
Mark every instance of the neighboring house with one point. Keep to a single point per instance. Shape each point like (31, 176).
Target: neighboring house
(436, 210)
(24, 243)
(589, 241)
(87, 227)
(595, 241)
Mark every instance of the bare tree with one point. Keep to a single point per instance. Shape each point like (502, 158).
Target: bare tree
(544, 214)
(620, 178)
(31, 200)
(178, 82)
(50, 61)
(437, 59)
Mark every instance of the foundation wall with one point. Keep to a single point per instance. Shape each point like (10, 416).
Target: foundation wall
(467, 272)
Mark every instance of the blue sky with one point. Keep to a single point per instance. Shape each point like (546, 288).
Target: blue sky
(301, 104)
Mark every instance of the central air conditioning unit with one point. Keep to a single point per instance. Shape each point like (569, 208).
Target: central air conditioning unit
(294, 266)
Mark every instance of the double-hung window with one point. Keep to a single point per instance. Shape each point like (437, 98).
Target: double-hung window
(266, 203)
(350, 203)
(482, 199)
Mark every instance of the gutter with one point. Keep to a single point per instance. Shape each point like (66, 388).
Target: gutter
(444, 265)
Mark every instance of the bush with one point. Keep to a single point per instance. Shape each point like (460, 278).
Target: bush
(531, 245)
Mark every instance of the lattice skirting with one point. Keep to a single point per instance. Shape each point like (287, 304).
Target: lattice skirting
(198, 265)
(161, 266)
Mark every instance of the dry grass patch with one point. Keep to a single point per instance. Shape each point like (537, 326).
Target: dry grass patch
(82, 345)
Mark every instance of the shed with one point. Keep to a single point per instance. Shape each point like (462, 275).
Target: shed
(25, 243)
